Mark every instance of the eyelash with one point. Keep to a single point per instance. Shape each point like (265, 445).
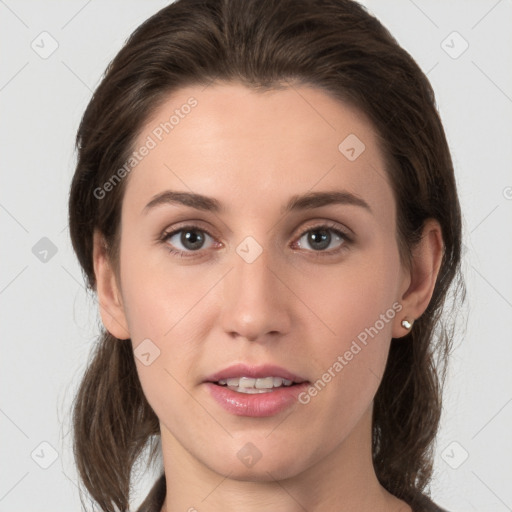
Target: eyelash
(190, 227)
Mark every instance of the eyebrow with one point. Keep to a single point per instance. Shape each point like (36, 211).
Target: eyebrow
(306, 201)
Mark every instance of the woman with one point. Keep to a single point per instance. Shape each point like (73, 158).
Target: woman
(265, 204)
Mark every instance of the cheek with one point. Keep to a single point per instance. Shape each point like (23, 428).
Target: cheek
(159, 296)
(355, 295)
(359, 305)
(163, 309)
(159, 305)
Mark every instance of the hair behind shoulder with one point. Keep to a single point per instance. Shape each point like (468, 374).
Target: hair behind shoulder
(335, 45)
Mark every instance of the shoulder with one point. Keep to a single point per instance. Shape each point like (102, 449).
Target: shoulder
(156, 497)
(423, 503)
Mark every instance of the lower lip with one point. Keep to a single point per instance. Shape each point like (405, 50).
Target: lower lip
(256, 405)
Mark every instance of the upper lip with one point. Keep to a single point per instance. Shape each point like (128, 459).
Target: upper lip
(260, 371)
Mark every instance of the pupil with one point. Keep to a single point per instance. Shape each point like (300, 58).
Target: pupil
(192, 239)
(321, 241)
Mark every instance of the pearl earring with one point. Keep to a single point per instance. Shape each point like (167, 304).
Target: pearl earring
(406, 324)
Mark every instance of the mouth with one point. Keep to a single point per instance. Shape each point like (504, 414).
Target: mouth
(245, 378)
(255, 391)
(252, 386)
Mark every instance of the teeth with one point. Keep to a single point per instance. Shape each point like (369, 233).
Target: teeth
(252, 385)
(266, 383)
(277, 381)
(245, 382)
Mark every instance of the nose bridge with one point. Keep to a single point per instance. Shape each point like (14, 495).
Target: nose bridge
(254, 298)
(252, 270)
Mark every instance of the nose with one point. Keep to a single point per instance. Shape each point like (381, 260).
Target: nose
(256, 299)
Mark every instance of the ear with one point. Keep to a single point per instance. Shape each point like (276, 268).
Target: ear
(109, 298)
(419, 283)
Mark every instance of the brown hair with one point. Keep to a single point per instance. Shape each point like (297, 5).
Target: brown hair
(335, 45)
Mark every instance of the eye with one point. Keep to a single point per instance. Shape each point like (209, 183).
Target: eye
(191, 238)
(187, 240)
(323, 237)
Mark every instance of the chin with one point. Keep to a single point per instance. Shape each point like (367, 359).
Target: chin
(261, 472)
(252, 464)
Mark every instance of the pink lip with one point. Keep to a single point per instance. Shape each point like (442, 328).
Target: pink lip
(244, 370)
(260, 404)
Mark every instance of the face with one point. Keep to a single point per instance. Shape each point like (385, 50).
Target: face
(288, 267)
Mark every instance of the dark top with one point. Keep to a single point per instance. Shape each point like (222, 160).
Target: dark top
(155, 500)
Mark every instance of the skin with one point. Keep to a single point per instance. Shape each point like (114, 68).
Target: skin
(294, 306)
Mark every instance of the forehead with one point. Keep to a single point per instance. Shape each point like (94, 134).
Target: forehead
(250, 148)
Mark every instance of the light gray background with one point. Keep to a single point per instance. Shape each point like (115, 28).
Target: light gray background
(49, 323)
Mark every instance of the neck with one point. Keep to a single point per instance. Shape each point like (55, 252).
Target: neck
(343, 481)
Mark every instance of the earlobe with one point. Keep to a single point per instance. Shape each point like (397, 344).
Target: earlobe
(109, 297)
(406, 324)
(426, 261)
